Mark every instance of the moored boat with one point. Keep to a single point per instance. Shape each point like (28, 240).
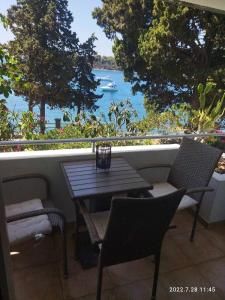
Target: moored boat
(111, 87)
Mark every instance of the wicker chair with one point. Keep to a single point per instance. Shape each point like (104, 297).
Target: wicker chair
(33, 218)
(192, 169)
(134, 228)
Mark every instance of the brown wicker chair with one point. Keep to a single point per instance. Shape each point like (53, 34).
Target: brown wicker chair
(35, 221)
(134, 228)
(192, 169)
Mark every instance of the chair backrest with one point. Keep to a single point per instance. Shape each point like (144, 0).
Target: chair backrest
(21, 188)
(137, 226)
(194, 165)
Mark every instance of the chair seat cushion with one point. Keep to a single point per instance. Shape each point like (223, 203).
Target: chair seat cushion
(163, 188)
(24, 229)
(100, 219)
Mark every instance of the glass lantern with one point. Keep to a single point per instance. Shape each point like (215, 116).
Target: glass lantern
(103, 156)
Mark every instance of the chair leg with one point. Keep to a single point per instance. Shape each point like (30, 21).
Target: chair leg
(65, 257)
(76, 251)
(156, 275)
(194, 223)
(99, 280)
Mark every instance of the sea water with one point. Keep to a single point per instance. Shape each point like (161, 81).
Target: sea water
(124, 91)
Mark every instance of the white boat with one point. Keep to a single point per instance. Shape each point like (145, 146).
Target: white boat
(110, 87)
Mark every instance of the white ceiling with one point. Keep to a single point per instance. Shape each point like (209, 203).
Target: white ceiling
(213, 5)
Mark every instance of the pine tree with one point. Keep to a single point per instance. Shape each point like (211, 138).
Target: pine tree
(83, 83)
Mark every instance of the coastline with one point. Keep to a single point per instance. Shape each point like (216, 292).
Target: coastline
(105, 69)
(18, 104)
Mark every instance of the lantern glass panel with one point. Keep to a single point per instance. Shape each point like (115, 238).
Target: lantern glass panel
(103, 157)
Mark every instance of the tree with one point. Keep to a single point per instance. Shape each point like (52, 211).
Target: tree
(47, 52)
(9, 72)
(105, 62)
(164, 47)
(83, 83)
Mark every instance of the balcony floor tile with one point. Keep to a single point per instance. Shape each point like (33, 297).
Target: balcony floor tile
(38, 283)
(38, 269)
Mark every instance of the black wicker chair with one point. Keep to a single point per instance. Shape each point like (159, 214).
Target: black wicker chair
(53, 216)
(192, 169)
(134, 228)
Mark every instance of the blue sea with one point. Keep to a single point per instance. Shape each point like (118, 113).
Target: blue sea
(124, 92)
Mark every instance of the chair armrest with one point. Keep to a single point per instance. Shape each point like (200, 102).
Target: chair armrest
(35, 213)
(94, 236)
(28, 176)
(154, 166)
(199, 190)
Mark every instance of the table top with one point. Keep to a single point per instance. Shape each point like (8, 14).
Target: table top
(85, 181)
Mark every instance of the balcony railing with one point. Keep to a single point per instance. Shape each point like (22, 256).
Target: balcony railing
(93, 141)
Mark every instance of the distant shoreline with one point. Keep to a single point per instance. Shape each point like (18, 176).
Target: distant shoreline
(105, 62)
(106, 69)
(97, 67)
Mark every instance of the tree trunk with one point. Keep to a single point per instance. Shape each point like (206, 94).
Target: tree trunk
(42, 116)
(78, 109)
(30, 105)
(195, 101)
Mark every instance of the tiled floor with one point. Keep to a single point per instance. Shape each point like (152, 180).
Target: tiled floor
(38, 269)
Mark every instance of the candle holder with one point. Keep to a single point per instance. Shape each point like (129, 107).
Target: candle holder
(103, 156)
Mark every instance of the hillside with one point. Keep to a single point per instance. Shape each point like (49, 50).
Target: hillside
(105, 62)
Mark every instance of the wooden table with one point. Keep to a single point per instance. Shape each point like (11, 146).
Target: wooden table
(84, 181)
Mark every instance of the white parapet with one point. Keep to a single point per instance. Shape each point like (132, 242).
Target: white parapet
(48, 163)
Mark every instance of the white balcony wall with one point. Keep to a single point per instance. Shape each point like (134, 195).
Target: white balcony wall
(213, 208)
(48, 163)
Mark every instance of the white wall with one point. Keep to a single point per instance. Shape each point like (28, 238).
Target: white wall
(213, 206)
(48, 163)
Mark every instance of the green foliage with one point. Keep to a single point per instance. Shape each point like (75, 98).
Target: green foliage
(90, 125)
(4, 21)
(83, 83)
(211, 108)
(14, 125)
(9, 73)
(183, 117)
(56, 67)
(7, 130)
(70, 131)
(28, 125)
(175, 118)
(121, 120)
(164, 47)
(121, 116)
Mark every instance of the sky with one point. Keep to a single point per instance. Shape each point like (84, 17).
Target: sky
(84, 25)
